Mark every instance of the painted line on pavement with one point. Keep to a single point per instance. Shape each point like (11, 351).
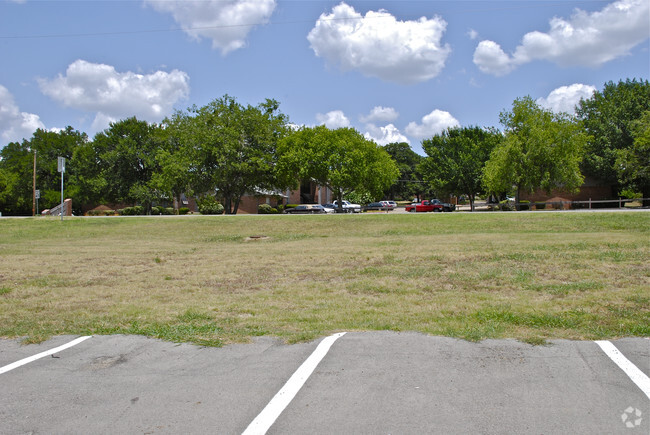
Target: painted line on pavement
(24, 361)
(632, 371)
(274, 408)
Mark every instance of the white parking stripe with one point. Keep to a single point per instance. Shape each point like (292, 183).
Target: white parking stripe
(272, 411)
(637, 376)
(24, 361)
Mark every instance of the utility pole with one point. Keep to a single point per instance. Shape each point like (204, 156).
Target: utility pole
(34, 188)
(61, 167)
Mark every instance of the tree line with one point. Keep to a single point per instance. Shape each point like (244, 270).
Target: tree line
(225, 150)
(607, 139)
(221, 151)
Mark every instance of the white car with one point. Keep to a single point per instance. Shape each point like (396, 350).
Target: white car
(329, 208)
(348, 207)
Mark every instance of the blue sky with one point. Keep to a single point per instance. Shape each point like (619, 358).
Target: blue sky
(394, 70)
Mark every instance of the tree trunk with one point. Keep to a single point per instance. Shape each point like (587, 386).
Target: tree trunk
(517, 199)
(471, 202)
(177, 201)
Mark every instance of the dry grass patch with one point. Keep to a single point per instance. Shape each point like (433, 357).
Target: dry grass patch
(211, 280)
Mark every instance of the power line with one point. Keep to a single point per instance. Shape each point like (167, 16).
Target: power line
(228, 26)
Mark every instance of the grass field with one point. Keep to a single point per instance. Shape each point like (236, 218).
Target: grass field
(529, 276)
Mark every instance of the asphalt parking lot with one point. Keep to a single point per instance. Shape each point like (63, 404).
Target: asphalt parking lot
(362, 383)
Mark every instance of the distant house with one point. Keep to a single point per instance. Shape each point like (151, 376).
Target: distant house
(591, 190)
(307, 193)
(249, 203)
(310, 193)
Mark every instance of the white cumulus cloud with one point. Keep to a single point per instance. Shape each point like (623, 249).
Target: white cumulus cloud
(114, 95)
(586, 39)
(380, 46)
(381, 114)
(565, 98)
(384, 135)
(433, 123)
(226, 22)
(491, 59)
(14, 124)
(333, 120)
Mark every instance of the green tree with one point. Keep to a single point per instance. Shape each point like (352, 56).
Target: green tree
(540, 150)
(608, 117)
(231, 148)
(173, 175)
(17, 171)
(126, 153)
(633, 163)
(456, 159)
(342, 160)
(410, 182)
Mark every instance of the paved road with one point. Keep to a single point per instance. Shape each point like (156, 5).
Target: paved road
(372, 382)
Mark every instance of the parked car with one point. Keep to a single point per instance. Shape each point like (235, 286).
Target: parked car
(391, 204)
(306, 209)
(445, 205)
(329, 208)
(432, 205)
(348, 207)
(381, 205)
(424, 206)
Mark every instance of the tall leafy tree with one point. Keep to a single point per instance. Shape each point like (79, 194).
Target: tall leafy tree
(126, 154)
(410, 183)
(342, 160)
(173, 162)
(231, 148)
(609, 117)
(17, 170)
(456, 159)
(633, 163)
(540, 150)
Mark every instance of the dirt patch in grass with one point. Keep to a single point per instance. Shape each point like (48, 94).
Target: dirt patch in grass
(206, 280)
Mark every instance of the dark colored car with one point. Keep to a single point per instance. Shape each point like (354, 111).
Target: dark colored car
(306, 209)
(377, 206)
(445, 206)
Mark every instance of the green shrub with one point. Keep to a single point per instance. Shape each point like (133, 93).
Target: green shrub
(101, 213)
(280, 208)
(266, 209)
(210, 205)
(630, 194)
(183, 210)
(132, 211)
(506, 205)
(524, 205)
(159, 209)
